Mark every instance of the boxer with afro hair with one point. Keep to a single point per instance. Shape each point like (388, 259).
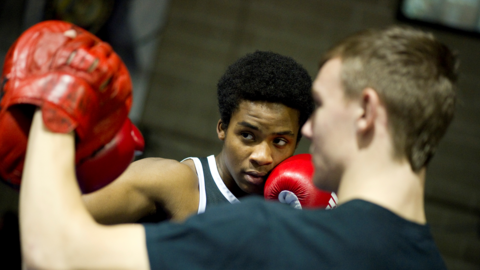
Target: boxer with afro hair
(265, 76)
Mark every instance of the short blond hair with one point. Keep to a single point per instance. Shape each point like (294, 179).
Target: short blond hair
(414, 75)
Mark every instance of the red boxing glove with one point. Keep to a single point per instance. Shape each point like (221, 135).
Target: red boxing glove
(110, 162)
(77, 81)
(291, 182)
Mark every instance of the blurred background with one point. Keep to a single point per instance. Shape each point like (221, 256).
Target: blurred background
(177, 50)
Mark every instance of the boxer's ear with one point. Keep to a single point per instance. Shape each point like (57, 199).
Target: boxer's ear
(220, 130)
(369, 103)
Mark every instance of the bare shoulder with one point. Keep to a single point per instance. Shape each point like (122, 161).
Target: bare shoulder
(170, 183)
(160, 173)
(190, 164)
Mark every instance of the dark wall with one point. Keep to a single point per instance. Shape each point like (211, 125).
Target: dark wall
(202, 37)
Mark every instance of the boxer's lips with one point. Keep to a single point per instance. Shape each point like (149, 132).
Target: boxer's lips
(256, 178)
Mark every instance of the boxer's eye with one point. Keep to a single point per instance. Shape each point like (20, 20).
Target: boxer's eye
(317, 100)
(247, 136)
(280, 141)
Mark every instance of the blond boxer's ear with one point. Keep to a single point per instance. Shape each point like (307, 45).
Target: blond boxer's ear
(370, 103)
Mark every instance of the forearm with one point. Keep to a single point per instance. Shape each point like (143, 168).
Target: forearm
(57, 231)
(108, 207)
(127, 199)
(50, 204)
(164, 188)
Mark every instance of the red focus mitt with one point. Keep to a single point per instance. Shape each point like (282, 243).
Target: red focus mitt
(290, 182)
(77, 81)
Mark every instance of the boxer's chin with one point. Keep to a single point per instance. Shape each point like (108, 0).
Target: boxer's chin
(324, 181)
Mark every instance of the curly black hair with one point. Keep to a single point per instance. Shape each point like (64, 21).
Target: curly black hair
(265, 76)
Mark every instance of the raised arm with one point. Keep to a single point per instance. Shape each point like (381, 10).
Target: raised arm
(148, 186)
(57, 231)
